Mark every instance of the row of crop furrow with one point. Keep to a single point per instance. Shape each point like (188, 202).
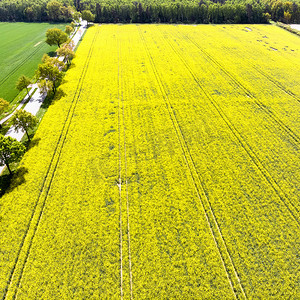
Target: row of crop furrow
(197, 143)
(26, 59)
(173, 253)
(277, 83)
(248, 93)
(24, 250)
(123, 191)
(120, 177)
(267, 69)
(291, 205)
(227, 262)
(76, 243)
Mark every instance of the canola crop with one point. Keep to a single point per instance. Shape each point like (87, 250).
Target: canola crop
(168, 169)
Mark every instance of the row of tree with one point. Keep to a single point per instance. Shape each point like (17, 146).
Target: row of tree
(153, 11)
(49, 74)
(10, 149)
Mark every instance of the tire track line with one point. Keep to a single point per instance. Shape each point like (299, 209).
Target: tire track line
(277, 83)
(274, 81)
(271, 114)
(255, 159)
(37, 214)
(235, 282)
(122, 107)
(127, 201)
(120, 178)
(6, 77)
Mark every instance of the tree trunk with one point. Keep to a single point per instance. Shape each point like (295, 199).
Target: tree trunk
(7, 165)
(27, 135)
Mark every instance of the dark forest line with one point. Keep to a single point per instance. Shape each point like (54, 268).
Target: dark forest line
(153, 11)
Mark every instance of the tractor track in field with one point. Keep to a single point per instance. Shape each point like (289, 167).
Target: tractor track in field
(45, 187)
(225, 257)
(6, 77)
(255, 159)
(122, 124)
(260, 104)
(120, 184)
(120, 181)
(275, 82)
(127, 205)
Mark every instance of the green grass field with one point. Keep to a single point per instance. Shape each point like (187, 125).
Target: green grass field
(22, 47)
(169, 170)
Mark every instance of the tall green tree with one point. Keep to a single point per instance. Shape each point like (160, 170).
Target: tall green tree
(23, 83)
(45, 86)
(3, 105)
(77, 16)
(49, 71)
(56, 36)
(54, 10)
(66, 51)
(53, 60)
(23, 119)
(69, 29)
(88, 16)
(10, 151)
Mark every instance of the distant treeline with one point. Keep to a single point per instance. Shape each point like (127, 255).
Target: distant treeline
(154, 11)
(36, 10)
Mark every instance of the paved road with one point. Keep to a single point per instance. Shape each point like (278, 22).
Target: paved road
(295, 26)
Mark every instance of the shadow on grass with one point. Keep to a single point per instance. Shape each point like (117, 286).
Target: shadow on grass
(52, 53)
(9, 182)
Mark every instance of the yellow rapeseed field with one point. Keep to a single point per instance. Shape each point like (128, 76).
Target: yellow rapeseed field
(169, 169)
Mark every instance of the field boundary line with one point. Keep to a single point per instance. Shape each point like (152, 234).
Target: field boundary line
(198, 186)
(271, 114)
(281, 194)
(44, 187)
